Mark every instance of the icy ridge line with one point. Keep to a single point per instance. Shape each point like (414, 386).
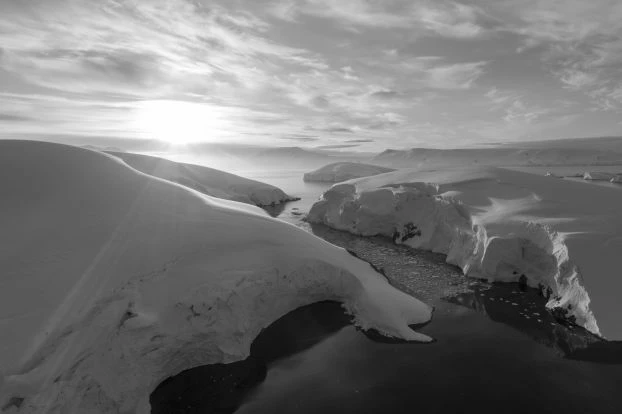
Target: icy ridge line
(420, 216)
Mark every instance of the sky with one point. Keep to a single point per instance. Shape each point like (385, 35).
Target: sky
(352, 74)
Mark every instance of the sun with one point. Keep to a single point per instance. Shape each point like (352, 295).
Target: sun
(179, 122)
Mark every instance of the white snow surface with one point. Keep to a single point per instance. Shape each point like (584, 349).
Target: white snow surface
(113, 280)
(207, 180)
(499, 224)
(343, 171)
(598, 176)
(556, 154)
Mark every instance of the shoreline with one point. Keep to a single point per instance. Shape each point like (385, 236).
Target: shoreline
(471, 319)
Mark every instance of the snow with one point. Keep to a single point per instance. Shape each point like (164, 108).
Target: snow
(113, 280)
(598, 176)
(499, 224)
(343, 171)
(207, 180)
(501, 156)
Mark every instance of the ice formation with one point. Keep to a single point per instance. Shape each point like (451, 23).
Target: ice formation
(113, 280)
(501, 225)
(598, 176)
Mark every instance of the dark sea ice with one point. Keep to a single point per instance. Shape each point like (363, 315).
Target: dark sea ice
(497, 350)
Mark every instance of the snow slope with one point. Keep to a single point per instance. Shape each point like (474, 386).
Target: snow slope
(113, 280)
(498, 224)
(207, 180)
(343, 171)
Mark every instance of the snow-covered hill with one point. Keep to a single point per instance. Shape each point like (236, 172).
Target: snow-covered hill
(112, 280)
(500, 157)
(560, 235)
(343, 171)
(206, 180)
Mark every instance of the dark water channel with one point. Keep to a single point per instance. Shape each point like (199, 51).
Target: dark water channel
(497, 350)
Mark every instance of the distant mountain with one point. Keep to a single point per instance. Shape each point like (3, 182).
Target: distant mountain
(538, 155)
(296, 157)
(343, 171)
(599, 143)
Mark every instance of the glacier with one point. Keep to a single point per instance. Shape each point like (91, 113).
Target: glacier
(557, 235)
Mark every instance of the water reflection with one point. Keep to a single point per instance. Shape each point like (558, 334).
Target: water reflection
(275, 210)
(427, 276)
(222, 388)
(525, 310)
(489, 354)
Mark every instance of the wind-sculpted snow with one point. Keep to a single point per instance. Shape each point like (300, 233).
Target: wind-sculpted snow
(501, 225)
(206, 180)
(343, 171)
(113, 280)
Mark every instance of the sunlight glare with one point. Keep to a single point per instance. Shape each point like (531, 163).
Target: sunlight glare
(179, 122)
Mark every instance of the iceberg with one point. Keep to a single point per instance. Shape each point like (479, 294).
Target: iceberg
(499, 225)
(598, 176)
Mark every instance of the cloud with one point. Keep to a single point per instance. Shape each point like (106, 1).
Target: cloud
(450, 19)
(331, 129)
(336, 146)
(430, 72)
(145, 48)
(456, 76)
(442, 18)
(301, 137)
(285, 10)
(87, 70)
(359, 140)
(385, 94)
(390, 71)
(516, 110)
(14, 118)
(581, 41)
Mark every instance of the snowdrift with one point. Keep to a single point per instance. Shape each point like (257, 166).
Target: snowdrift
(343, 171)
(207, 180)
(113, 280)
(502, 225)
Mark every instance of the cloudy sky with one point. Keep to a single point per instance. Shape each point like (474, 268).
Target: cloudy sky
(363, 74)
